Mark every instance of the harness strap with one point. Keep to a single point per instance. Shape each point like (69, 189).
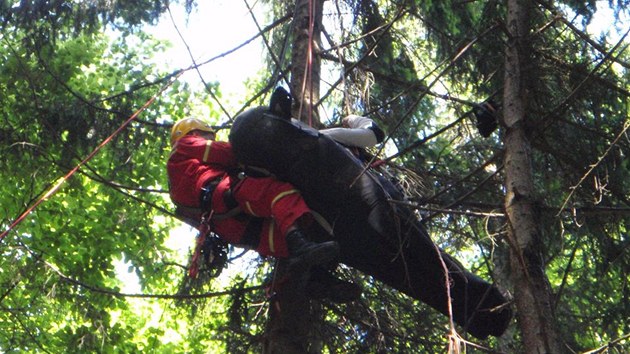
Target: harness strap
(205, 198)
(322, 222)
(205, 201)
(229, 214)
(254, 171)
(229, 200)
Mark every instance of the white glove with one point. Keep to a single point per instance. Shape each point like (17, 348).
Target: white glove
(356, 122)
(356, 133)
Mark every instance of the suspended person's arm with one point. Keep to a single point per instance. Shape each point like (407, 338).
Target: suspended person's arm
(357, 132)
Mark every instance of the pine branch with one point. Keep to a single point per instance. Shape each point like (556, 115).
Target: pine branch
(558, 15)
(609, 345)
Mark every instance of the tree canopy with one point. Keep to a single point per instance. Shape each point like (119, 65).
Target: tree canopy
(74, 73)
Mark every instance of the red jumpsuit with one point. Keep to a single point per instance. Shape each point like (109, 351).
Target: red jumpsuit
(268, 205)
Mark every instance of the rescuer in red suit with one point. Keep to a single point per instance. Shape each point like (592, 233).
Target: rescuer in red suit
(263, 214)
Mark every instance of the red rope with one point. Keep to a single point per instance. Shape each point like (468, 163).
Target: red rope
(204, 229)
(309, 75)
(57, 185)
(308, 68)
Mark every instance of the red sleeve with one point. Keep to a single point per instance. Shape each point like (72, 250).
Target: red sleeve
(207, 151)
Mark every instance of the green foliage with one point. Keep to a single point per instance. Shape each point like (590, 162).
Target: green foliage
(62, 101)
(51, 20)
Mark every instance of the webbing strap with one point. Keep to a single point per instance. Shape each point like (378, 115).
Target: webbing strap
(322, 222)
(186, 212)
(229, 214)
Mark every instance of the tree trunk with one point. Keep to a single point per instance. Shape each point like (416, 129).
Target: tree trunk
(531, 287)
(305, 71)
(293, 322)
(292, 317)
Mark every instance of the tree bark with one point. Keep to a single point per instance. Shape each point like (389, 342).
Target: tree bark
(306, 61)
(292, 317)
(293, 322)
(531, 287)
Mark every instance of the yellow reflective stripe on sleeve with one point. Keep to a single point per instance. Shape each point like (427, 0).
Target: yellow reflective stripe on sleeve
(272, 226)
(249, 209)
(282, 195)
(206, 154)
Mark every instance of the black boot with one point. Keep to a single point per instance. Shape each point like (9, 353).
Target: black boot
(304, 253)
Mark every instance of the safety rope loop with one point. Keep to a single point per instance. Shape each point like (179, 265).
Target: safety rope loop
(204, 230)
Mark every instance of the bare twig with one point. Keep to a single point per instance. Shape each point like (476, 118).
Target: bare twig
(596, 164)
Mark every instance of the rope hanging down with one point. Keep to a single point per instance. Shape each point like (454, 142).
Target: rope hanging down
(308, 68)
(57, 185)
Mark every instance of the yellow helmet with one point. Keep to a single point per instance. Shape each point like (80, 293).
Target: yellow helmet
(187, 125)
